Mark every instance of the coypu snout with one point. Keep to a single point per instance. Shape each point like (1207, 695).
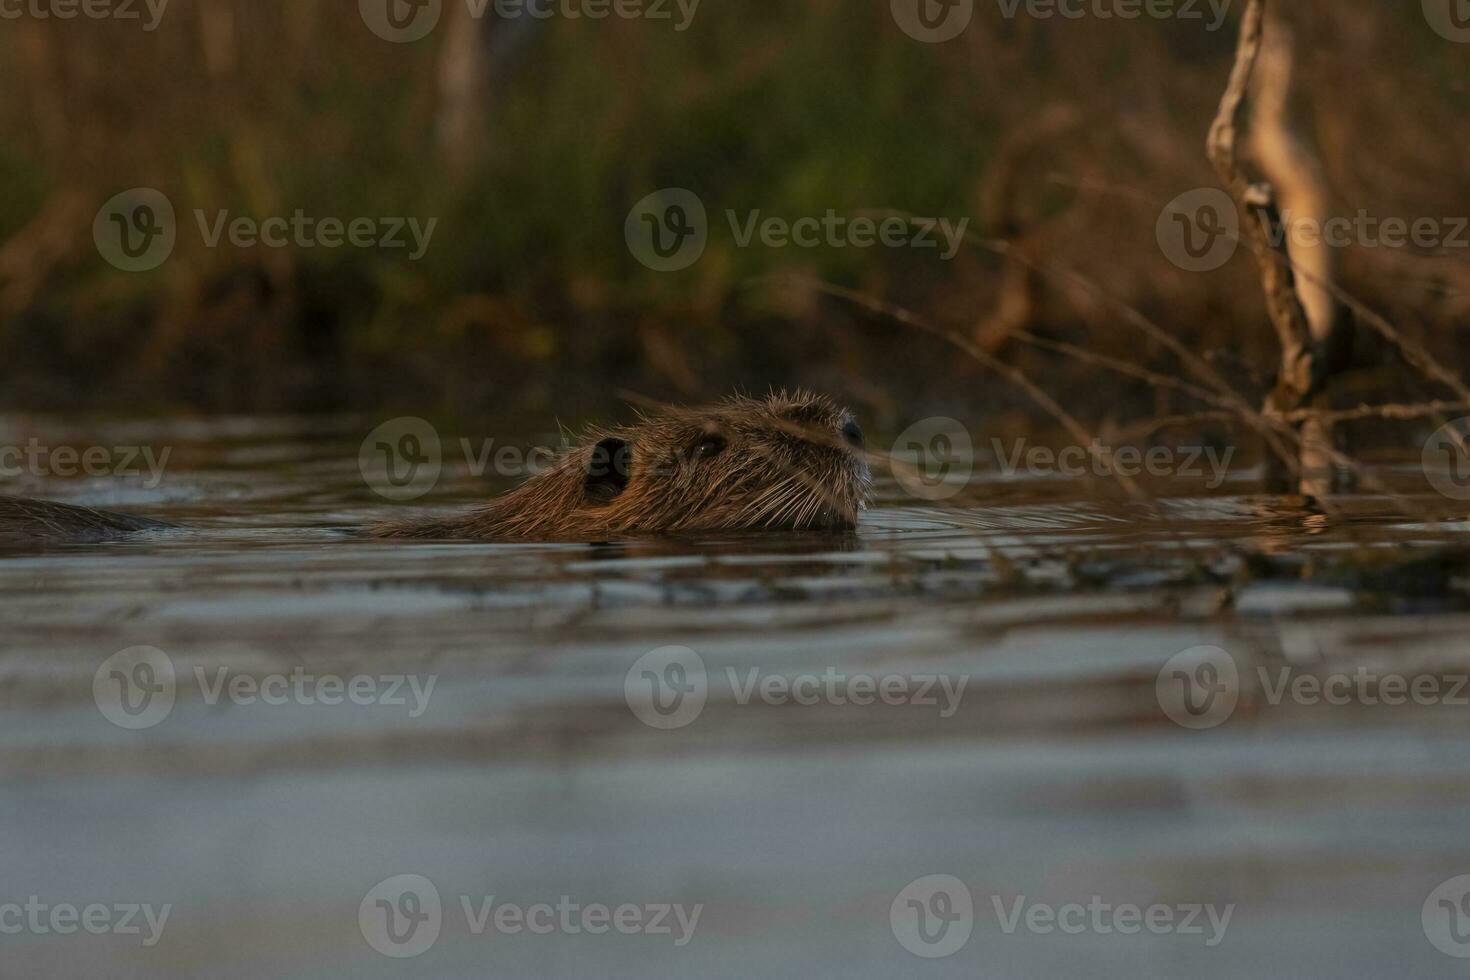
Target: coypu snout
(786, 462)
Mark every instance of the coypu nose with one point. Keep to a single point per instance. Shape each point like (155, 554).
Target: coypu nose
(853, 433)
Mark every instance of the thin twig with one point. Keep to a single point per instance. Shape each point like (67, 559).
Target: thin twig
(1014, 375)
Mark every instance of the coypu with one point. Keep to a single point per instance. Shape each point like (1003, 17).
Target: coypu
(786, 462)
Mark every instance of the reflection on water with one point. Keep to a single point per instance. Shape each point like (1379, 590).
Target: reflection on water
(1039, 760)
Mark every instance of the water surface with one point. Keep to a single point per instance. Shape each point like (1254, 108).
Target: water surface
(1055, 777)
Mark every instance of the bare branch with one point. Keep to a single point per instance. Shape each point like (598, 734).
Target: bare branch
(1302, 373)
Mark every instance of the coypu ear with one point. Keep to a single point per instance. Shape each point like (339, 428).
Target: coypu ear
(608, 470)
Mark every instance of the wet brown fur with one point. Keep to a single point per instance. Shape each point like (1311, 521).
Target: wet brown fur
(777, 463)
(42, 520)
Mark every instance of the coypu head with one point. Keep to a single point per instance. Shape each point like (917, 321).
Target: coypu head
(786, 462)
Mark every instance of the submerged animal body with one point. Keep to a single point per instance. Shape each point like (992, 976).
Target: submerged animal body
(786, 462)
(790, 462)
(42, 520)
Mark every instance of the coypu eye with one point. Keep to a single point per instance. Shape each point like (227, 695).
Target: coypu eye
(853, 433)
(608, 470)
(711, 444)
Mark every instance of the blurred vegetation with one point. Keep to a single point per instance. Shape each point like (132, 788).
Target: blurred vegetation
(1067, 137)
